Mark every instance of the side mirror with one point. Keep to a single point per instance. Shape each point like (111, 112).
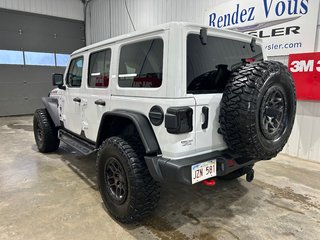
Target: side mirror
(57, 80)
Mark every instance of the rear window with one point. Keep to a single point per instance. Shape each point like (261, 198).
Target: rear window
(209, 66)
(141, 64)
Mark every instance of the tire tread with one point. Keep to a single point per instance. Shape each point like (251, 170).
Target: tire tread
(51, 141)
(144, 191)
(239, 106)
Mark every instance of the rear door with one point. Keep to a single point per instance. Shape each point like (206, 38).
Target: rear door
(208, 69)
(97, 92)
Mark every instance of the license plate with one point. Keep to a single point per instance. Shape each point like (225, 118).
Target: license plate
(202, 171)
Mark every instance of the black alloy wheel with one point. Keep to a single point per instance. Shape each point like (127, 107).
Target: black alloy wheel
(273, 113)
(116, 180)
(39, 133)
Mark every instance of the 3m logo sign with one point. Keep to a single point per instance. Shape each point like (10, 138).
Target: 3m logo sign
(305, 66)
(305, 69)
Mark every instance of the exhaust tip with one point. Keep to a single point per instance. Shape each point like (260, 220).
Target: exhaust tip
(250, 176)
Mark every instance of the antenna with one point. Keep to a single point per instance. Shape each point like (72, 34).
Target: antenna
(125, 3)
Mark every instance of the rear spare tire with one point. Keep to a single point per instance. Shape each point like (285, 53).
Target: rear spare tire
(258, 110)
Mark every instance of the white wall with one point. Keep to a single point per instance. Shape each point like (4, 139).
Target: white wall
(108, 18)
(72, 9)
(305, 138)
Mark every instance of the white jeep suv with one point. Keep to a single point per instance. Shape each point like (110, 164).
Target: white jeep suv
(177, 103)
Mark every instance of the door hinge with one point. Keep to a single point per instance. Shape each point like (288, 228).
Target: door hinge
(84, 125)
(84, 102)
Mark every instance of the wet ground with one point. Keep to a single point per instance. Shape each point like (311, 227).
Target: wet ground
(54, 196)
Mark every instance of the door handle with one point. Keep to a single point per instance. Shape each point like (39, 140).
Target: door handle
(205, 112)
(77, 99)
(100, 102)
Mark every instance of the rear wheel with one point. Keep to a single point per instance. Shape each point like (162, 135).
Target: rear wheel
(45, 133)
(126, 187)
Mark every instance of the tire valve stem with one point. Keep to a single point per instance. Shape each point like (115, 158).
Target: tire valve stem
(250, 175)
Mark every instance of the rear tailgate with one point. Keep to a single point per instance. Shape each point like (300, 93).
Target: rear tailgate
(209, 66)
(207, 137)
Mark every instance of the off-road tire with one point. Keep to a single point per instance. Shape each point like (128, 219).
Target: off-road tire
(142, 191)
(45, 133)
(249, 112)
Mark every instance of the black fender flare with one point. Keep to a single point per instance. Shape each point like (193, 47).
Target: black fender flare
(142, 125)
(51, 104)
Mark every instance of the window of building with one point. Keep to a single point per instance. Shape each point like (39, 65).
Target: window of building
(33, 58)
(39, 58)
(74, 76)
(99, 68)
(11, 57)
(141, 64)
(62, 60)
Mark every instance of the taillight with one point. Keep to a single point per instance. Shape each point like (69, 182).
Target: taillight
(230, 162)
(179, 120)
(249, 60)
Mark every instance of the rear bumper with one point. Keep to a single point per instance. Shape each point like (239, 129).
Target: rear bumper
(168, 170)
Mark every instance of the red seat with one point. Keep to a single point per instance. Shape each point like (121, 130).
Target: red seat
(100, 83)
(146, 82)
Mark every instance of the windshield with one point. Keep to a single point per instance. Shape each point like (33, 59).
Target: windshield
(209, 66)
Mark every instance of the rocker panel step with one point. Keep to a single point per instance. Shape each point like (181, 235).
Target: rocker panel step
(75, 142)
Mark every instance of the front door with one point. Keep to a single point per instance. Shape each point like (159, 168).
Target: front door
(97, 92)
(72, 101)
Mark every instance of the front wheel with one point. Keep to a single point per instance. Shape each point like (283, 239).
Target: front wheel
(126, 186)
(45, 133)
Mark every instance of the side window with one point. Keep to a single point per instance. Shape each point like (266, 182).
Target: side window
(141, 64)
(74, 76)
(99, 68)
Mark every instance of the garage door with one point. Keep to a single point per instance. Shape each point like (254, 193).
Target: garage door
(32, 48)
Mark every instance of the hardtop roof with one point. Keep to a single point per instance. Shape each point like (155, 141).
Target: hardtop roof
(157, 28)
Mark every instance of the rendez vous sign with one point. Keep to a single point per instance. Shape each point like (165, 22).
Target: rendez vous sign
(287, 26)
